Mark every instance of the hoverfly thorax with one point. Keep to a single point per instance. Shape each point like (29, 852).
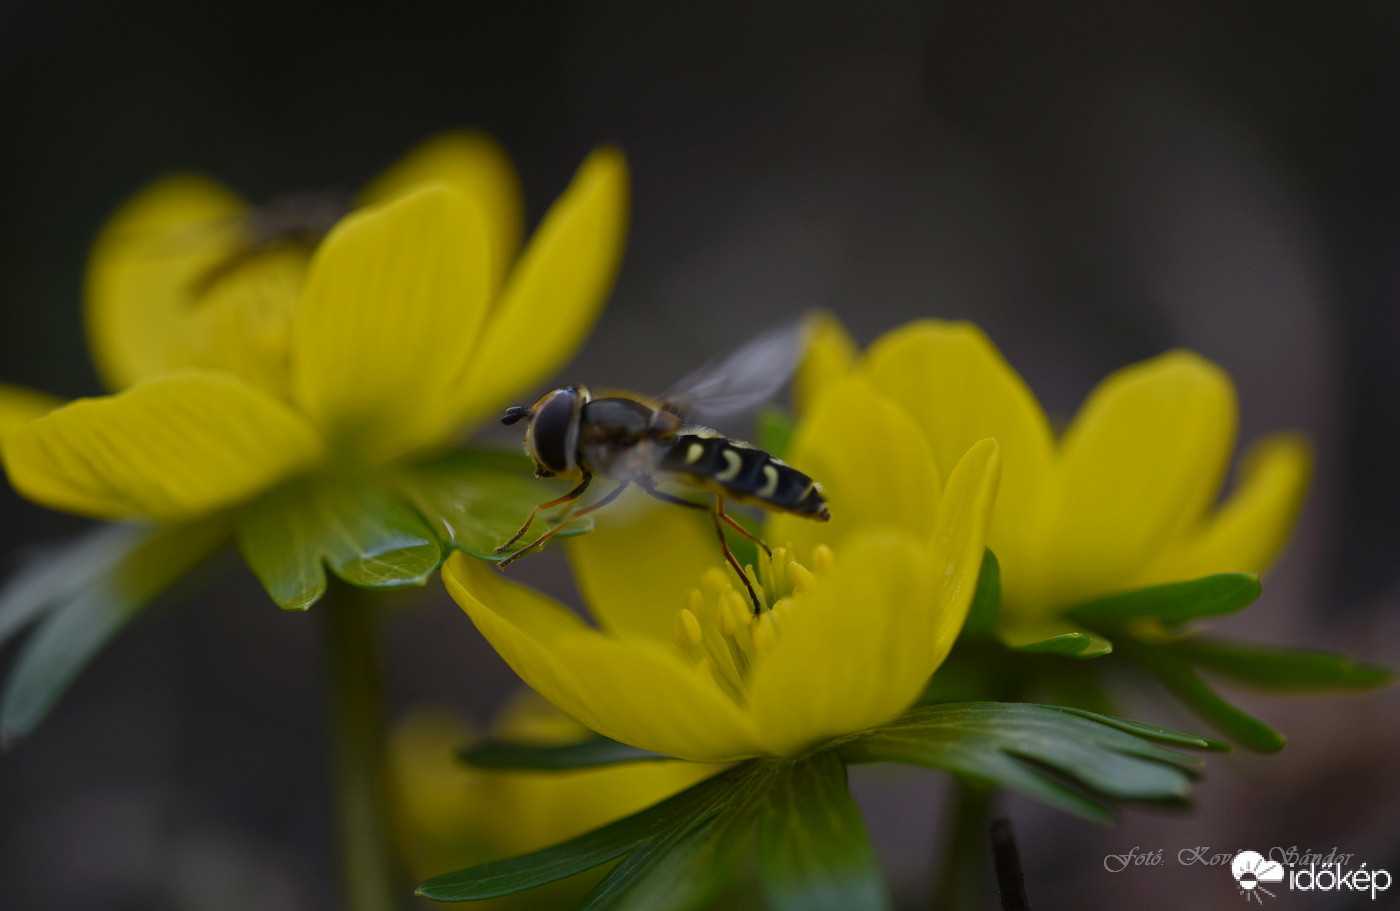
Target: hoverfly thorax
(551, 438)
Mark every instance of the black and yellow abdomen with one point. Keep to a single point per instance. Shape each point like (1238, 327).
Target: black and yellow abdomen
(743, 473)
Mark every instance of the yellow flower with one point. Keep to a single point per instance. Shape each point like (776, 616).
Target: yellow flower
(1125, 498)
(415, 318)
(678, 664)
(451, 814)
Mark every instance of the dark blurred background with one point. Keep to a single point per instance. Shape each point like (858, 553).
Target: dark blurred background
(1092, 181)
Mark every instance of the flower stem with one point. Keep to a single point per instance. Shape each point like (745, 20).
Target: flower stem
(964, 874)
(355, 727)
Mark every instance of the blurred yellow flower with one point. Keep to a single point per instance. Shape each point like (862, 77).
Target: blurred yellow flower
(451, 815)
(1125, 498)
(851, 632)
(415, 318)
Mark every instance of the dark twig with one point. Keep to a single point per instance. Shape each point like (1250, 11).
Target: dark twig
(1007, 860)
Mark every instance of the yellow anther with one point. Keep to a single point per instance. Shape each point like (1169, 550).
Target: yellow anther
(689, 627)
(823, 559)
(802, 578)
(733, 612)
(715, 579)
(761, 632)
(695, 601)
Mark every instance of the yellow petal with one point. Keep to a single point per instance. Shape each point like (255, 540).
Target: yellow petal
(474, 165)
(18, 405)
(552, 296)
(638, 564)
(959, 389)
(170, 448)
(874, 465)
(140, 305)
(1251, 528)
(855, 652)
(634, 690)
(960, 537)
(831, 354)
(393, 304)
(1141, 461)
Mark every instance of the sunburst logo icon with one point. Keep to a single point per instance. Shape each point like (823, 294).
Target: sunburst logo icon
(1251, 871)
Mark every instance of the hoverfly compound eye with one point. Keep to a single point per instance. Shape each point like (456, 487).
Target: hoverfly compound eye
(554, 424)
(515, 413)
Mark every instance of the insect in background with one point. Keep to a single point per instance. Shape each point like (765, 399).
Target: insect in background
(298, 221)
(634, 440)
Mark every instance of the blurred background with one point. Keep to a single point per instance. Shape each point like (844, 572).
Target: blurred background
(1092, 182)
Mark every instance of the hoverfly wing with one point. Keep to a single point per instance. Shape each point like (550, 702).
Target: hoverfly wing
(741, 381)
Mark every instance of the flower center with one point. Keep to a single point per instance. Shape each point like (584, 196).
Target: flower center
(718, 629)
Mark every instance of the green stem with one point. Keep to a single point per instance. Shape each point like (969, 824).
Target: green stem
(965, 874)
(355, 725)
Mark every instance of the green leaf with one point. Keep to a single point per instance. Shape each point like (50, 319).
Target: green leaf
(813, 849)
(679, 869)
(654, 825)
(84, 612)
(1074, 760)
(774, 431)
(1070, 645)
(986, 600)
(1278, 669)
(598, 751)
(1173, 604)
(476, 499)
(55, 573)
(1186, 685)
(366, 532)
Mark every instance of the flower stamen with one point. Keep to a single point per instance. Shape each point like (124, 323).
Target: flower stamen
(718, 629)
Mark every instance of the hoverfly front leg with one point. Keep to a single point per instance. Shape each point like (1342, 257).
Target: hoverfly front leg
(718, 514)
(571, 495)
(544, 538)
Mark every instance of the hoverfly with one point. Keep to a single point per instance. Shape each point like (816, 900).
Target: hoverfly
(634, 440)
(298, 221)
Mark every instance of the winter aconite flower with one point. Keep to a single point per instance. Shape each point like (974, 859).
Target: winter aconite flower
(451, 814)
(856, 615)
(696, 675)
(1108, 536)
(300, 398)
(1124, 498)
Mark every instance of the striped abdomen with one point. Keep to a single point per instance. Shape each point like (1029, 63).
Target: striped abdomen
(744, 474)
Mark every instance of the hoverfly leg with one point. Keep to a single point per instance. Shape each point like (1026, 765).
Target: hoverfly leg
(544, 538)
(729, 520)
(571, 495)
(717, 513)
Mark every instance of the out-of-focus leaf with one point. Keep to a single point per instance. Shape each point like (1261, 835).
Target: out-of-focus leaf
(1070, 645)
(84, 612)
(774, 431)
(664, 822)
(595, 752)
(474, 500)
(986, 600)
(55, 573)
(813, 849)
(365, 531)
(1175, 603)
(1076, 761)
(1186, 685)
(1290, 670)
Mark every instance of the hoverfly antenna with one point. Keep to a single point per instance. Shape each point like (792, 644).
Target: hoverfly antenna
(515, 413)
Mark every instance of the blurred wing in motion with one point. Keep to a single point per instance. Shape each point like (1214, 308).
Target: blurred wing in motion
(741, 381)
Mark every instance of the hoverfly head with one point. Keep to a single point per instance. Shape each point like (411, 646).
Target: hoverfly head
(552, 437)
